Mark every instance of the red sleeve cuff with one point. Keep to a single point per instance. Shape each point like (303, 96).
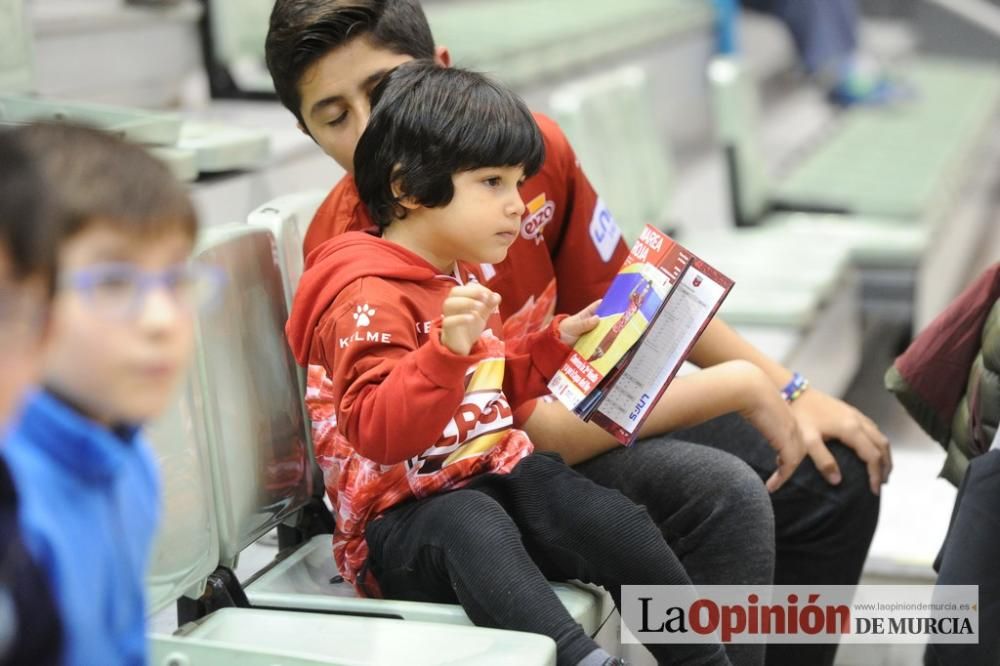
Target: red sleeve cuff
(440, 365)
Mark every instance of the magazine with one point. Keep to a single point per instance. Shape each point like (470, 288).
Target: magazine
(656, 307)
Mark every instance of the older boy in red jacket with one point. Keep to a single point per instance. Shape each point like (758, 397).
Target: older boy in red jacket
(438, 494)
(325, 56)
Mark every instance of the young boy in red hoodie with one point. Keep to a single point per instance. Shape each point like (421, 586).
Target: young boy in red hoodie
(439, 497)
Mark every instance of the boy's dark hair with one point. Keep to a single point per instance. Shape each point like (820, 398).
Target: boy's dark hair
(26, 224)
(429, 123)
(93, 177)
(303, 31)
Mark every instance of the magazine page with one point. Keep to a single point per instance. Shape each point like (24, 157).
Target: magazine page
(626, 401)
(635, 296)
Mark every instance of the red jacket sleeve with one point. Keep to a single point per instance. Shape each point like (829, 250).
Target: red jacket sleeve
(589, 248)
(394, 396)
(530, 362)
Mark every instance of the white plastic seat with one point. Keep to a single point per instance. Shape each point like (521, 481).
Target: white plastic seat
(781, 279)
(188, 551)
(608, 120)
(244, 635)
(258, 438)
(288, 218)
(256, 423)
(219, 147)
(795, 299)
(308, 580)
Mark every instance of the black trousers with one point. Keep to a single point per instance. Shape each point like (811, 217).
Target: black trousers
(970, 556)
(493, 545)
(704, 489)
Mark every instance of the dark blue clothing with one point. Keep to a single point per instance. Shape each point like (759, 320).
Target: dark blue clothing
(89, 506)
(825, 32)
(969, 556)
(29, 625)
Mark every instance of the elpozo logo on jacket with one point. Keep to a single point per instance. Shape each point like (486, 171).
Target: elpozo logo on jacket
(540, 212)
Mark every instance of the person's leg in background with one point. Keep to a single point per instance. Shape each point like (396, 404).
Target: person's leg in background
(825, 34)
(710, 506)
(969, 556)
(822, 532)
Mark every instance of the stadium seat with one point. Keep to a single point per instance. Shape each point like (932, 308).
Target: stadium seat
(906, 162)
(898, 164)
(188, 148)
(545, 44)
(608, 121)
(881, 180)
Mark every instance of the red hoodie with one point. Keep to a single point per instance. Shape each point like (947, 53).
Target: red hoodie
(400, 415)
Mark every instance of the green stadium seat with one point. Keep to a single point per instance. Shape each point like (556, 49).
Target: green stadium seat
(794, 299)
(781, 280)
(906, 162)
(543, 40)
(557, 37)
(896, 172)
(288, 218)
(898, 165)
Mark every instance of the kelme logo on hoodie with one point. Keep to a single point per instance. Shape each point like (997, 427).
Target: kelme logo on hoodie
(362, 319)
(363, 315)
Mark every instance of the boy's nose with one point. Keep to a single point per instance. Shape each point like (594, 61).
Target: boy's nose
(159, 310)
(517, 205)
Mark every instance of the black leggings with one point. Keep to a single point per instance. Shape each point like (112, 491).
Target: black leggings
(493, 545)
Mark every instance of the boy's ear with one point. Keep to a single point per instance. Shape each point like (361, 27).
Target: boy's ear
(442, 56)
(402, 199)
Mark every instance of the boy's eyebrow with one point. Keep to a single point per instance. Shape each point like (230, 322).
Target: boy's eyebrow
(369, 82)
(111, 255)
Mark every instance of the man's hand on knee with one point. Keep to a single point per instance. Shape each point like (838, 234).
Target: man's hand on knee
(822, 417)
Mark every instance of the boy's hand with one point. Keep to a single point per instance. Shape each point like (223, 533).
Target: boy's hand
(465, 313)
(767, 411)
(584, 321)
